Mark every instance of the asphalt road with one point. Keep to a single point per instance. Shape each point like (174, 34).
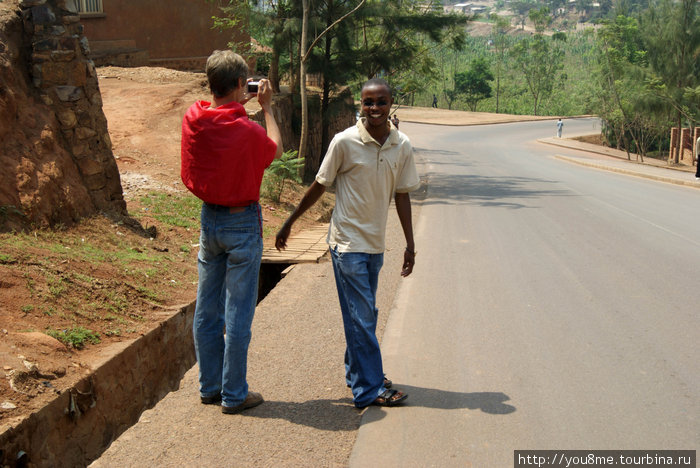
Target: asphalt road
(553, 306)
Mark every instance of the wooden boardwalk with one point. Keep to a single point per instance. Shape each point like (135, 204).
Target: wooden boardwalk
(307, 246)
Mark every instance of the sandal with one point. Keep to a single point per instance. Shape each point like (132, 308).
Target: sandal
(390, 398)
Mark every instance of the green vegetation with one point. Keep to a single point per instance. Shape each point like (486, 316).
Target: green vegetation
(634, 63)
(286, 167)
(76, 337)
(172, 209)
(473, 84)
(5, 259)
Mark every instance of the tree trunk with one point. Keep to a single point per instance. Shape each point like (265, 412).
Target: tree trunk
(326, 98)
(498, 89)
(302, 81)
(677, 141)
(274, 76)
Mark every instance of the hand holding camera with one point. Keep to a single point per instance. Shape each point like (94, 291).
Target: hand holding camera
(262, 89)
(253, 87)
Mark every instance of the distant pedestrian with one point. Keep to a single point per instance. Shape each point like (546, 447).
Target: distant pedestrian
(395, 121)
(560, 126)
(435, 101)
(224, 156)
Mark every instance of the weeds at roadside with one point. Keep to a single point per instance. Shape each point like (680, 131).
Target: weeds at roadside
(75, 337)
(171, 209)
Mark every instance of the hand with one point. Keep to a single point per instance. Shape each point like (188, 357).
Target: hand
(409, 260)
(282, 236)
(264, 93)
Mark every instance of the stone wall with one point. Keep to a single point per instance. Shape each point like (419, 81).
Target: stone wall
(55, 150)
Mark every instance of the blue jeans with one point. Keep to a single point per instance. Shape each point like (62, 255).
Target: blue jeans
(230, 250)
(356, 278)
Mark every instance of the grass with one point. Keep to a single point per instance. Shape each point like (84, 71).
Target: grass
(171, 209)
(7, 259)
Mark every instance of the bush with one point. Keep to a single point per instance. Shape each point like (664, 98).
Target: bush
(75, 337)
(287, 167)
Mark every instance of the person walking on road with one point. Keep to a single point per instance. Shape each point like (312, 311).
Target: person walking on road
(435, 101)
(370, 162)
(560, 126)
(223, 158)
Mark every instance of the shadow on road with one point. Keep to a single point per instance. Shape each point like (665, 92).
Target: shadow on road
(487, 402)
(341, 415)
(488, 191)
(325, 415)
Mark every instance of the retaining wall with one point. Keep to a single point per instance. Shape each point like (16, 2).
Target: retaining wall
(78, 425)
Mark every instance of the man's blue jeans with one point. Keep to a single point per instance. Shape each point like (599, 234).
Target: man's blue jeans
(230, 250)
(356, 277)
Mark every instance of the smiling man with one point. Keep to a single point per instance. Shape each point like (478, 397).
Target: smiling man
(370, 163)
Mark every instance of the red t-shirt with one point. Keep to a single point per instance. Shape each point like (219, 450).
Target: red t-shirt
(224, 154)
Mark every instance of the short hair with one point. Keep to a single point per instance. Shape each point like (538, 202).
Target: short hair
(224, 70)
(378, 82)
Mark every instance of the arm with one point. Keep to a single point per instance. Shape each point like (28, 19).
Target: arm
(310, 197)
(403, 209)
(265, 100)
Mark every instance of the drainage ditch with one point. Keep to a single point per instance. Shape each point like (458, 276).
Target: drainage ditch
(270, 275)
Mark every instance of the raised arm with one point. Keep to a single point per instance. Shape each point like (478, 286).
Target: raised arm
(265, 100)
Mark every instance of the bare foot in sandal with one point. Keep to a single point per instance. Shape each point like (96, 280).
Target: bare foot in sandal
(390, 398)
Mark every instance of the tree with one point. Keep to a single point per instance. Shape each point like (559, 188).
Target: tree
(304, 56)
(394, 36)
(500, 45)
(674, 56)
(621, 61)
(540, 60)
(541, 18)
(473, 85)
(522, 8)
(274, 23)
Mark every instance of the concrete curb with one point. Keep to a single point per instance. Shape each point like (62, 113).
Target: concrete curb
(80, 423)
(607, 167)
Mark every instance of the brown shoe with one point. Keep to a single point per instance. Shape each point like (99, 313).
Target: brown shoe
(252, 400)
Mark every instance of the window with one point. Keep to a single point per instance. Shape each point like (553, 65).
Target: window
(90, 6)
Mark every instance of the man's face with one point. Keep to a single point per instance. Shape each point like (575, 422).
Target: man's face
(376, 104)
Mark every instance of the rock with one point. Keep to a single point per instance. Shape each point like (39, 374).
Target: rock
(6, 405)
(69, 93)
(38, 340)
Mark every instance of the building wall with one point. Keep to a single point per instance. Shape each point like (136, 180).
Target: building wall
(171, 29)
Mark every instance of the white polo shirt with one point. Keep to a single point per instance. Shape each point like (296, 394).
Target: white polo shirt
(367, 175)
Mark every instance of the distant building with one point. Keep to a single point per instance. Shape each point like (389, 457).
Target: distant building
(176, 34)
(468, 8)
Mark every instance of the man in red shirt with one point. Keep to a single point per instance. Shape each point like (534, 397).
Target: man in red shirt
(224, 156)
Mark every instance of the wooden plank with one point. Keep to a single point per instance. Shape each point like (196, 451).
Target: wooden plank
(305, 247)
